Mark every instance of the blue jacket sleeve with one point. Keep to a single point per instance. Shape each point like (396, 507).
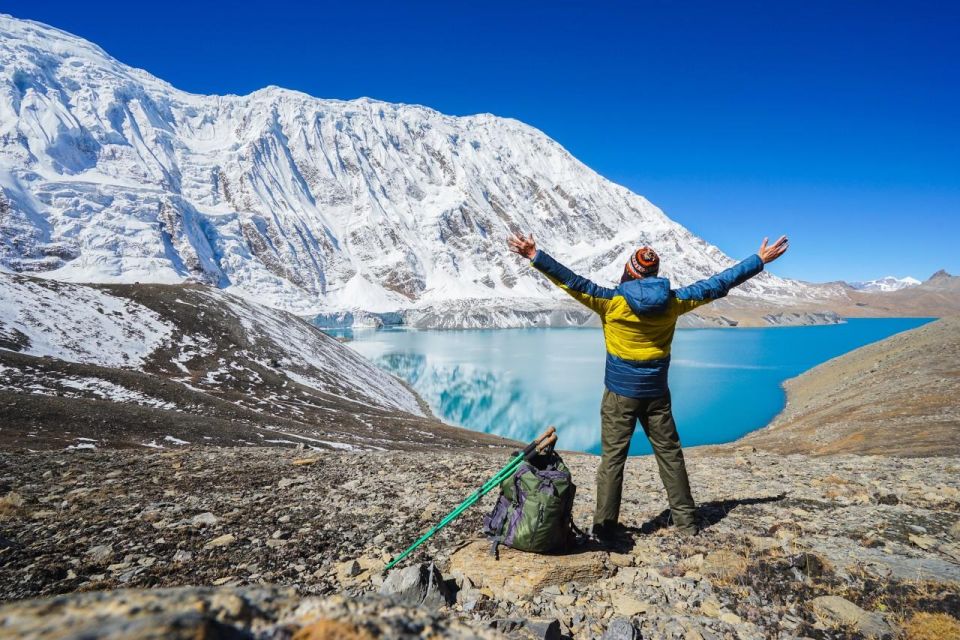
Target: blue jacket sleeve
(581, 289)
(719, 285)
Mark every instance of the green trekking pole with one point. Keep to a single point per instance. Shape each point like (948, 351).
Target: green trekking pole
(546, 440)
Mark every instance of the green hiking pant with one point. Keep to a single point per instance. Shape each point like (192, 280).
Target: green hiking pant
(618, 419)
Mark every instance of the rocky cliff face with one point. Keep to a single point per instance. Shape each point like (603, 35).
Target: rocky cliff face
(109, 174)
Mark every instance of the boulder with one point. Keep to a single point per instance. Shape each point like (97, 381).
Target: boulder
(419, 585)
(152, 614)
(221, 541)
(842, 611)
(620, 629)
(522, 574)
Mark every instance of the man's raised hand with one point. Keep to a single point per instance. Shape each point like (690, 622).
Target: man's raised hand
(774, 251)
(523, 245)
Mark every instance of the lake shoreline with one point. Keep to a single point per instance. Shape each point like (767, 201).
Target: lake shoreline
(474, 377)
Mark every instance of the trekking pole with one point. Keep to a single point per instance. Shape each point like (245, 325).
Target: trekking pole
(548, 439)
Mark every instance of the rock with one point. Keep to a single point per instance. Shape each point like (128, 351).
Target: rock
(710, 607)
(524, 574)
(152, 614)
(565, 601)
(100, 553)
(506, 625)
(288, 482)
(842, 611)
(924, 542)
(182, 556)
(543, 629)
(626, 605)
(620, 629)
(332, 629)
(221, 541)
(627, 575)
(205, 519)
(955, 530)
(469, 598)
(730, 618)
(621, 559)
(420, 584)
(348, 569)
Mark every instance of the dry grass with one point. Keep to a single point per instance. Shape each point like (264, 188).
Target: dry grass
(932, 626)
(10, 504)
(725, 565)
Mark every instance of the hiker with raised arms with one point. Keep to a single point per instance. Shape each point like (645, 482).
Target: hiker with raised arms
(639, 318)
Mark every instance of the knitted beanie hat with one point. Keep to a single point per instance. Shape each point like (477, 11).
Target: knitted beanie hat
(644, 262)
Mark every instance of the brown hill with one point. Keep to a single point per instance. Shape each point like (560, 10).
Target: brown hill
(899, 396)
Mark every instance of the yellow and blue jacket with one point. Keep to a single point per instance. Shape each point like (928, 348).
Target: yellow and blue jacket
(639, 318)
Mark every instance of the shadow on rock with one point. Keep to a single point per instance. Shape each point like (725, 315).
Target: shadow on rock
(708, 513)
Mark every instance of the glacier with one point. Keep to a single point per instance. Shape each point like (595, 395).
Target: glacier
(350, 212)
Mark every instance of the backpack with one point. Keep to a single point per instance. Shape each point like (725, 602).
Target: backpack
(535, 509)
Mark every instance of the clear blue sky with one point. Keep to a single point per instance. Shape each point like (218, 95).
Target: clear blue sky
(836, 122)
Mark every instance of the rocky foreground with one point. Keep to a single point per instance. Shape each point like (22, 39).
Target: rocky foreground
(289, 543)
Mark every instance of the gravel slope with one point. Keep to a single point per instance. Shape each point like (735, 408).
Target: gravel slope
(899, 396)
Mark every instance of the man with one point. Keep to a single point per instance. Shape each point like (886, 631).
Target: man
(639, 318)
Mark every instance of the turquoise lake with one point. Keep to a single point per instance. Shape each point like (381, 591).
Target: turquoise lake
(515, 382)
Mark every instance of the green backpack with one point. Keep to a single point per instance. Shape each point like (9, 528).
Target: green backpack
(535, 509)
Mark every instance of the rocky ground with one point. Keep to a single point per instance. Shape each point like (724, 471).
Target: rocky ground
(793, 546)
(898, 396)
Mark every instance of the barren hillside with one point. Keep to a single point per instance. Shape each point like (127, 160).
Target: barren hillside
(899, 396)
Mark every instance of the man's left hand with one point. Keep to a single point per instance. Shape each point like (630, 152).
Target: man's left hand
(774, 251)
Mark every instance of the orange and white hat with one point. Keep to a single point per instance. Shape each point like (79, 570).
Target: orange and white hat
(644, 262)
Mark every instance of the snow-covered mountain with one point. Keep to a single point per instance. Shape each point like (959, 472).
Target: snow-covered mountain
(84, 366)
(888, 283)
(108, 174)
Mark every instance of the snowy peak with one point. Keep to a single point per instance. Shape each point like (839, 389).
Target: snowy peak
(108, 174)
(888, 283)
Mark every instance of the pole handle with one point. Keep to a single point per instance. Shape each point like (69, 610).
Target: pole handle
(548, 443)
(535, 445)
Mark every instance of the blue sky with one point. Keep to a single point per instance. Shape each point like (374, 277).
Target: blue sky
(835, 122)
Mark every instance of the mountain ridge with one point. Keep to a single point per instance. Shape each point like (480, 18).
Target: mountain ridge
(308, 204)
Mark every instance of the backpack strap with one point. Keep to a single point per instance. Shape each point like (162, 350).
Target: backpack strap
(495, 547)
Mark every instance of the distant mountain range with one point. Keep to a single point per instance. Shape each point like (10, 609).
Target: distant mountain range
(888, 283)
(320, 207)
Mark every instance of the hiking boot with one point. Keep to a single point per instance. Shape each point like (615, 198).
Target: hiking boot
(688, 532)
(607, 533)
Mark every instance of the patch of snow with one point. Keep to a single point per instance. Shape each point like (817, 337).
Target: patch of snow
(887, 283)
(176, 441)
(79, 323)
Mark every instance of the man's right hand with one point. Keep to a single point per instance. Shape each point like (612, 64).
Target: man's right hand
(774, 251)
(523, 245)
